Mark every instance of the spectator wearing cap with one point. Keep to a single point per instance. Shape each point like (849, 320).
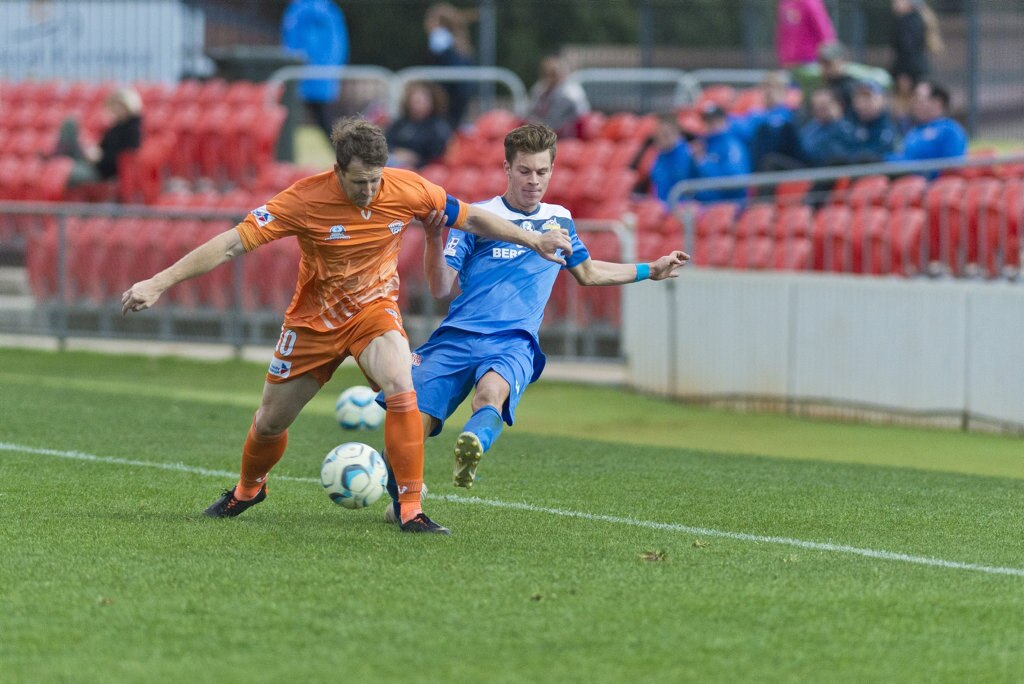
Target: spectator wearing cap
(875, 134)
(801, 27)
(936, 135)
(719, 152)
(673, 163)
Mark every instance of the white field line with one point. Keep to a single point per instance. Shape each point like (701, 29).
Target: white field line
(595, 517)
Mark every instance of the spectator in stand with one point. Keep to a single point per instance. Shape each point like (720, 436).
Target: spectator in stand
(772, 130)
(828, 139)
(316, 29)
(94, 163)
(719, 152)
(673, 163)
(936, 135)
(801, 28)
(915, 33)
(833, 60)
(449, 45)
(555, 101)
(421, 133)
(874, 131)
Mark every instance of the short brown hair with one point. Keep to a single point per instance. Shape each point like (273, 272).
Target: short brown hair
(355, 137)
(530, 138)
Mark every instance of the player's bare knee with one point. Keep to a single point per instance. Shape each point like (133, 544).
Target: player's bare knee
(267, 424)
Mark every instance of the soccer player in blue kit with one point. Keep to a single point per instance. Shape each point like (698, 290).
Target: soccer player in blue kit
(489, 342)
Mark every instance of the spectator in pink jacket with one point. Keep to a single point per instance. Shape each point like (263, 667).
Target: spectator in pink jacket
(802, 26)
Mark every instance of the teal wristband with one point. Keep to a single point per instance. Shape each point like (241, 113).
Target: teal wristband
(643, 272)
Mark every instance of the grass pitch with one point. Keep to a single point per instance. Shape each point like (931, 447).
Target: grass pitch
(604, 541)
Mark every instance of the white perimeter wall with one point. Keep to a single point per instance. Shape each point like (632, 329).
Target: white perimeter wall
(946, 347)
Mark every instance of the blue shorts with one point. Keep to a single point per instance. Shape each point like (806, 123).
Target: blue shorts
(447, 367)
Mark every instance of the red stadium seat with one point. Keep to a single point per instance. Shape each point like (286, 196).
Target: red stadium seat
(869, 240)
(560, 184)
(571, 153)
(906, 228)
(717, 219)
(753, 252)
(747, 100)
(866, 191)
(589, 125)
(436, 173)
(793, 222)
(719, 94)
(906, 192)
(793, 255)
(494, 124)
(942, 198)
(622, 126)
(714, 251)
(985, 226)
(792, 192)
(831, 239)
(613, 209)
(757, 220)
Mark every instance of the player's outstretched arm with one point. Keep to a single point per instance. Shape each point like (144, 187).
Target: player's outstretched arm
(547, 244)
(592, 272)
(441, 278)
(204, 258)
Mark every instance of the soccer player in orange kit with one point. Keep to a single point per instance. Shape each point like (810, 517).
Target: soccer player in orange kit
(349, 223)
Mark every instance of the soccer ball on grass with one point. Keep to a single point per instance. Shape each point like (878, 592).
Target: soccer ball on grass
(357, 409)
(354, 475)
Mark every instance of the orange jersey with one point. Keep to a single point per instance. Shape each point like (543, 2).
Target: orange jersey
(349, 253)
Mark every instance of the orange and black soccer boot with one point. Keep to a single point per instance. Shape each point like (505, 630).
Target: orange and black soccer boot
(421, 523)
(227, 506)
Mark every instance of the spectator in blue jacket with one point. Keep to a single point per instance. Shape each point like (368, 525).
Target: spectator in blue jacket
(316, 29)
(720, 152)
(936, 135)
(828, 138)
(875, 133)
(673, 163)
(772, 130)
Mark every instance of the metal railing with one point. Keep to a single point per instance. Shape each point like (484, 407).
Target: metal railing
(944, 248)
(80, 258)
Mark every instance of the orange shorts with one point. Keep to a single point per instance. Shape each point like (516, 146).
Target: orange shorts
(302, 350)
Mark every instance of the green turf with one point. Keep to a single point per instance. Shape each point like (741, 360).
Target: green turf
(109, 573)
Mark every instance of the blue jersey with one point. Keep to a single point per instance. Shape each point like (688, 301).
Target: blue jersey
(506, 286)
(936, 139)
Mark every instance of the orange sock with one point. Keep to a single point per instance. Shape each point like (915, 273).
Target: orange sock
(259, 455)
(403, 441)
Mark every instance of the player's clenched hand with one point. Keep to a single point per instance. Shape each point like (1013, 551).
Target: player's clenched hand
(666, 266)
(433, 224)
(553, 244)
(140, 296)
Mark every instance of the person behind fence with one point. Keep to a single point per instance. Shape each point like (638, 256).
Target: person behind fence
(349, 223)
(801, 27)
(773, 129)
(874, 133)
(719, 153)
(99, 162)
(936, 135)
(421, 133)
(828, 138)
(555, 101)
(316, 30)
(674, 162)
(448, 45)
(915, 35)
(489, 342)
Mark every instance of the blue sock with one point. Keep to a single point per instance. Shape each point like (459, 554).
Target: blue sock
(486, 424)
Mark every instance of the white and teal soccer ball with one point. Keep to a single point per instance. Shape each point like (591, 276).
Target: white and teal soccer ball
(356, 409)
(354, 475)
